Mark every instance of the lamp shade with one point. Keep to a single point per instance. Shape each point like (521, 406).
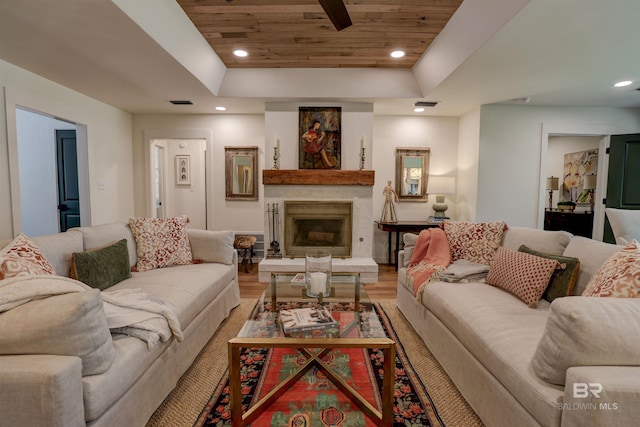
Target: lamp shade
(552, 183)
(441, 185)
(589, 182)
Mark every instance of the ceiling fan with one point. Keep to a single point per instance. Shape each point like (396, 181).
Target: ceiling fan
(337, 13)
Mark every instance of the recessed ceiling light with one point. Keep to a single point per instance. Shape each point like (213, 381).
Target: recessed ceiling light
(397, 54)
(240, 53)
(418, 109)
(221, 108)
(623, 83)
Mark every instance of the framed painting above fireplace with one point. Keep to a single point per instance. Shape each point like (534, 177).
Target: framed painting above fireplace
(319, 138)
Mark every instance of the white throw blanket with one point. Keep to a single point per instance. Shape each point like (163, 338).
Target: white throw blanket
(129, 311)
(463, 270)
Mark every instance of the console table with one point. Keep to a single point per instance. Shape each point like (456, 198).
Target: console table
(403, 227)
(576, 223)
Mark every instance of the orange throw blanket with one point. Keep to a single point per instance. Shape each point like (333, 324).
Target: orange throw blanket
(430, 257)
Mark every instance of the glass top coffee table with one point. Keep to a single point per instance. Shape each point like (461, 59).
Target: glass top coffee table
(357, 327)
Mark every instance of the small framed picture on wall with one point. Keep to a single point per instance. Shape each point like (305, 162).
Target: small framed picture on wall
(183, 170)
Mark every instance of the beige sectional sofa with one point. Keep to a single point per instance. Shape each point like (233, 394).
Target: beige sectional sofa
(486, 340)
(51, 390)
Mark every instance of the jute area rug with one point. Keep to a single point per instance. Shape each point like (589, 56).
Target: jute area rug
(183, 406)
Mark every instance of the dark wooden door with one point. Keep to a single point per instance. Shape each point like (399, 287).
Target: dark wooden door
(623, 182)
(68, 193)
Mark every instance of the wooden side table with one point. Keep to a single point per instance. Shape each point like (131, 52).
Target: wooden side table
(576, 223)
(403, 227)
(245, 243)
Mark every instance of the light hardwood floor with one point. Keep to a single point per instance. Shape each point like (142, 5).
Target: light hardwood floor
(384, 288)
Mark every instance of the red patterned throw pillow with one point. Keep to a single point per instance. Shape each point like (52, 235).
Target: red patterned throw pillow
(161, 242)
(524, 275)
(474, 241)
(22, 257)
(619, 276)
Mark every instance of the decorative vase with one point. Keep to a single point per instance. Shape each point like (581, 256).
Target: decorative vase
(318, 272)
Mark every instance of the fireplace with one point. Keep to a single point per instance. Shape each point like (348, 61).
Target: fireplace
(317, 224)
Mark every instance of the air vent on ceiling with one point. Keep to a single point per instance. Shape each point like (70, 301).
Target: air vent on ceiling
(181, 102)
(426, 104)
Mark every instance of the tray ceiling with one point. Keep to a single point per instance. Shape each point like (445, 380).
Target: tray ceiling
(298, 33)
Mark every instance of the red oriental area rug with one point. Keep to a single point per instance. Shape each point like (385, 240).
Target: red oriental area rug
(314, 400)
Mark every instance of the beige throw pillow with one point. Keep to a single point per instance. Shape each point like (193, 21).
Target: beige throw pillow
(72, 324)
(584, 331)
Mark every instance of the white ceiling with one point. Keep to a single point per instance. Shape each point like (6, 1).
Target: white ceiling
(558, 52)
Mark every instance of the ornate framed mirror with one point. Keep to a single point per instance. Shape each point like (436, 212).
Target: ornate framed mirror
(241, 173)
(412, 172)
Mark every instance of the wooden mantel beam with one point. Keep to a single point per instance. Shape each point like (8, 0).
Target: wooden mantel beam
(317, 177)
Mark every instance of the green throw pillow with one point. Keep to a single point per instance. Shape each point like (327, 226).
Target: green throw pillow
(102, 268)
(563, 280)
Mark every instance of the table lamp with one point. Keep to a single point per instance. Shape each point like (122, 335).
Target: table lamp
(552, 185)
(589, 184)
(441, 185)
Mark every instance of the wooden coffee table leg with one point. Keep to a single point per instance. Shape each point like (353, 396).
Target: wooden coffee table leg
(235, 385)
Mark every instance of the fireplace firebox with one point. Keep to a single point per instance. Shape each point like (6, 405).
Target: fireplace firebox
(317, 224)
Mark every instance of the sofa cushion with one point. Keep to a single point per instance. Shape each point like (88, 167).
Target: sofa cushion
(99, 236)
(409, 240)
(161, 242)
(550, 242)
(524, 275)
(132, 360)
(563, 279)
(592, 254)
(72, 324)
(212, 246)
(501, 333)
(619, 276)
(583, 331)
(625, 224)
(474, 241)
(57, 248)
(101, 268)
(188, 288)
(22, 257)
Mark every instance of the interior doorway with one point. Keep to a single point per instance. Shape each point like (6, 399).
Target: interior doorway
(67, 179)
(558, 142)
(38, 173)
(178, 179)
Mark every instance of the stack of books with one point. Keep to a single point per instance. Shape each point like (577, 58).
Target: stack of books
(306, 319)
(435, 219)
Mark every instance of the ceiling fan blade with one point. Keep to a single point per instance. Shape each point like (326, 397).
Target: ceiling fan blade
(337, 12)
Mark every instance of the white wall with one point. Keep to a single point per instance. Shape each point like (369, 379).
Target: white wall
(467, 181)
(513, 150)
(38, 171)
(225, 130)
(108, 137)
(389, 132)
(189, 199)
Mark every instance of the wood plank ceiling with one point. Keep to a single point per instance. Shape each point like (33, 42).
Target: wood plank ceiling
(298, 33)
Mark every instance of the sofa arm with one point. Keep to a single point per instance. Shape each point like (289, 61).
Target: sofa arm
(601, 396)
(401, 258)
(212, 246)
(41, 390)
